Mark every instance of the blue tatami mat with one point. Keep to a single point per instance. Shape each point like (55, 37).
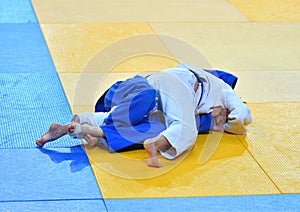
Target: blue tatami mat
(31, 95)
(54, 206)
(31, 98)
(46, 175)
(29, 103)
(23, 49)
(222, 203)
(16, 11)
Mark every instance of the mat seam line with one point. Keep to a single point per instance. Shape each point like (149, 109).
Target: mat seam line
(261, 167)
(62, 87)
(161, 41)
(51, 200)
(95, 177)
(172, 22)
(50, 54)
(60, 80)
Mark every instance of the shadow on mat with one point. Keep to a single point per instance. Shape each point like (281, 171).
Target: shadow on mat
(77, 156)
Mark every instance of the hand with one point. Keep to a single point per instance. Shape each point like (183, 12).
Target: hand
(219, 115)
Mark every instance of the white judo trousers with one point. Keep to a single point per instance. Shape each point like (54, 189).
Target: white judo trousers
(180, 104)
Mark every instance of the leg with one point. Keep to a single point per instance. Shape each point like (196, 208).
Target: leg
(54, 132)
(91, 141)
(82, 130)
(152, 145)
(92, 119)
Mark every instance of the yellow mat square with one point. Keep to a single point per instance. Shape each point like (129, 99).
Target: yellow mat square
(241, 46)
(230, 171)
(269, 11)
(91, 11)
(73, 45)
(273, 140)
(274, 86)
(84, 88)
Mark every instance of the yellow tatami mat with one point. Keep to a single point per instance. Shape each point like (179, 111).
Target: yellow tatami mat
(263, 162)
(83, 89)
(273, 140)
(241, 46)
(271, 86)
(73, 45)
(78, 11)
(93, 52)
(269, 11)
(230, 171)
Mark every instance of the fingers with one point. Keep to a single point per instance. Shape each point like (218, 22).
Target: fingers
(219, 118)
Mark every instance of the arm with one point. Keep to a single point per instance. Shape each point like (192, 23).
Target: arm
(181, 130)
(239, 115)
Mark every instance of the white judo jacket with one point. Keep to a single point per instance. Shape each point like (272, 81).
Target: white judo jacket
(180, 103)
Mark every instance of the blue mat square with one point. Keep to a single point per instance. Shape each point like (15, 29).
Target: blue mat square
(213, 203)
(23, 49)
(31, 95)
(52, 206)
(16, 11)
(46, 175)
(29, 103)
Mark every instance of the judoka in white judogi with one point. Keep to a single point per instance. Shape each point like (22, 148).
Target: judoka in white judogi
(186, 96)
(180, 104)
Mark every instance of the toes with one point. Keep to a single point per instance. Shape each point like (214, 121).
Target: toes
(152, 162)
(88, 138)
(40, 142)
(93, 141)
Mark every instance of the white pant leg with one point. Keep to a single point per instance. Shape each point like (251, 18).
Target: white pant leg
(93, 119)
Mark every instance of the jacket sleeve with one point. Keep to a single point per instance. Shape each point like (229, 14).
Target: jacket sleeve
(239, 114)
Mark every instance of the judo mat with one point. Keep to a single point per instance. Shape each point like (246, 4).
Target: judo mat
(31, 93)
(44, 77)
(32, 97)
(236, 167)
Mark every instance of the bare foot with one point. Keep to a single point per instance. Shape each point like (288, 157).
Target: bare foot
(91, 141)
(151, 148)
(55, 131)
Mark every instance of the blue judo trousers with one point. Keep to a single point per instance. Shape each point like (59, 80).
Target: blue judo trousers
(131, 122)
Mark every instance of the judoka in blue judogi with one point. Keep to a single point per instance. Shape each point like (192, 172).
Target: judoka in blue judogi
(163, 111)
